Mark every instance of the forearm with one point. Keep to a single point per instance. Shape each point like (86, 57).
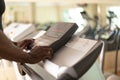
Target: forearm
(11, 52)
(14, 53)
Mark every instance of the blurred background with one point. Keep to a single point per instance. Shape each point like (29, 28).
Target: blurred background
(100, 16)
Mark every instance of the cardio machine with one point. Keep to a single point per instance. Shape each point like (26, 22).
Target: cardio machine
(72, 58)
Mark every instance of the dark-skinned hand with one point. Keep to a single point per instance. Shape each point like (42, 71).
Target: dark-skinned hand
(37, 53)
(40, 53)
(26, 44)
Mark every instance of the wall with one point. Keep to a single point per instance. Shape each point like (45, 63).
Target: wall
(70, 1)
(51, 11)
(46, 14)
(20, 12)
(30, 12)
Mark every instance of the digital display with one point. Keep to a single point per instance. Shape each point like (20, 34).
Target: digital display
(58, 30)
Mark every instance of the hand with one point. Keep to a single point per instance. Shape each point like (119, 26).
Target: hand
(39, 53)
(26, 44)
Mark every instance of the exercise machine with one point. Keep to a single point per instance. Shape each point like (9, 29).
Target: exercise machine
(72, 58)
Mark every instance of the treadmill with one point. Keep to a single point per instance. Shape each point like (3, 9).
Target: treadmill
(72, 58)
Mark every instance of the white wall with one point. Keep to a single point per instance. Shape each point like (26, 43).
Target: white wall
(69, 1)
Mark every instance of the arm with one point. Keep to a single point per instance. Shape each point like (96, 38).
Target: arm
(11, 52)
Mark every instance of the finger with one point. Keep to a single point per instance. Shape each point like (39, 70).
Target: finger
(25, 43)
(47, 53)
(20, 44)
(40, 51)
(36, 49)
(23, 47)
(32, 40)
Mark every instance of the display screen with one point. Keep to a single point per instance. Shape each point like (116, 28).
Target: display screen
(58, 30)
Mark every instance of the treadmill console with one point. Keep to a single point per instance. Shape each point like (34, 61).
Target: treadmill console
(75, 57)
(57, 36)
